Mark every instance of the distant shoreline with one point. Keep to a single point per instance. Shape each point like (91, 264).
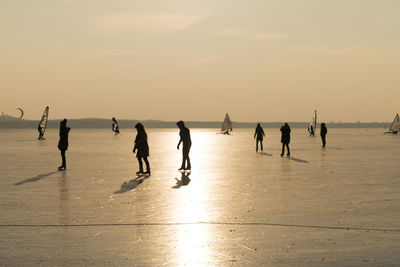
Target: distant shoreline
(13, 123)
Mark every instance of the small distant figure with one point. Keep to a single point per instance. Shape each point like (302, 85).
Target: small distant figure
(142, 148)
(115, 126)
(311, 130)
(323, 133)
(285, 139)
(40, 130)
(184, 134)
(259, 133)
(63, 143)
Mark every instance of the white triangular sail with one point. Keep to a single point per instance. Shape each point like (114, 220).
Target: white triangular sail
(227, 124)
(313, 124)
(43, 121)
(395, 127)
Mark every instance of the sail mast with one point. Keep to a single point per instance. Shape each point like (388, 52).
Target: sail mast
(43, 121)
(395, 124)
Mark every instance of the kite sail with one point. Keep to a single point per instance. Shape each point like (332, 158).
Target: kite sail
(115, 126)
(226, 125)
(312, 128)
(43, 123)
(22, 113)
(395, 127)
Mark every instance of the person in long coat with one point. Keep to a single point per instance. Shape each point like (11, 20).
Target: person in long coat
(323, 133)
(259, 133)
(63, 143)
(142, 148)
(285, 139)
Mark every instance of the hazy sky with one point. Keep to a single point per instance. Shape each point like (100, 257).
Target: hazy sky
(259, 60)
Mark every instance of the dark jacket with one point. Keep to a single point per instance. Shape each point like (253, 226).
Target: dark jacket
(285, 137)
(259, 133)
(184, 133)
(324, 131)
(141, 145)
(63, 142)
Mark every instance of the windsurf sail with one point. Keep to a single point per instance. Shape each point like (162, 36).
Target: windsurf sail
(115, 126)
(43, 122)
(227, 124)
(312, 128)
(395, 127)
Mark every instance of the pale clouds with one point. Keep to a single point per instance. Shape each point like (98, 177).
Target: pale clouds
(327, 50)
(270, 36)
(162, 22)
(206, 60)
(253, 34)
(113, 52)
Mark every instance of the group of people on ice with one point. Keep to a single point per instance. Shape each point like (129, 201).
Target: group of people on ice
(141, 147)
(285, 137)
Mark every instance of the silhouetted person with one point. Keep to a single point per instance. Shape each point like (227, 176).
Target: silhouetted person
(323, 133)
(285, 139)
(40, 130)
(259, 133)
(184, 134)
(63, 143)
(115, 126)
(311, 130)
(142, 148)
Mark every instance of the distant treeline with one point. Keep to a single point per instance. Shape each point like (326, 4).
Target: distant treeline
(105, 123)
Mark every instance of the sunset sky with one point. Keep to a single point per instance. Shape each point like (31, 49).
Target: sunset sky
(259, 60)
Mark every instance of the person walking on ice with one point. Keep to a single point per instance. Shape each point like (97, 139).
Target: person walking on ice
(259, 133)
(142, 148)
(184, 134)
(323, 133)
(63, 143)
(285, 139)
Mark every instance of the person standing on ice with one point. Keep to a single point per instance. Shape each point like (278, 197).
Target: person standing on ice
(259, 133)
(285, 139)
(63, 143)
(142, 148)
(323, 133)
(184, 134)
(40, 130)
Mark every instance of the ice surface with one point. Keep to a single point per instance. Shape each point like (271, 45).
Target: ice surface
(334, 206)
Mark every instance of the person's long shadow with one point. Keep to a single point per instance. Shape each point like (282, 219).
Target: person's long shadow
(185, 180)
(26, 140)
(36, 178)
(266, 154)
(132, 184)
(298, 160)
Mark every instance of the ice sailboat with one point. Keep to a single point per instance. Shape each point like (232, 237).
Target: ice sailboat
(395, 127)
(226, 125)
(43, 123)
(115, 126)
(313, 125)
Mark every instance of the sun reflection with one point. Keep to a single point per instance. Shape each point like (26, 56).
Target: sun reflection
(193, 197)
(203, 149)
(193, 245)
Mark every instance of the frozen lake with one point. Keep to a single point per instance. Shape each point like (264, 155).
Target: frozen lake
(334, 206)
